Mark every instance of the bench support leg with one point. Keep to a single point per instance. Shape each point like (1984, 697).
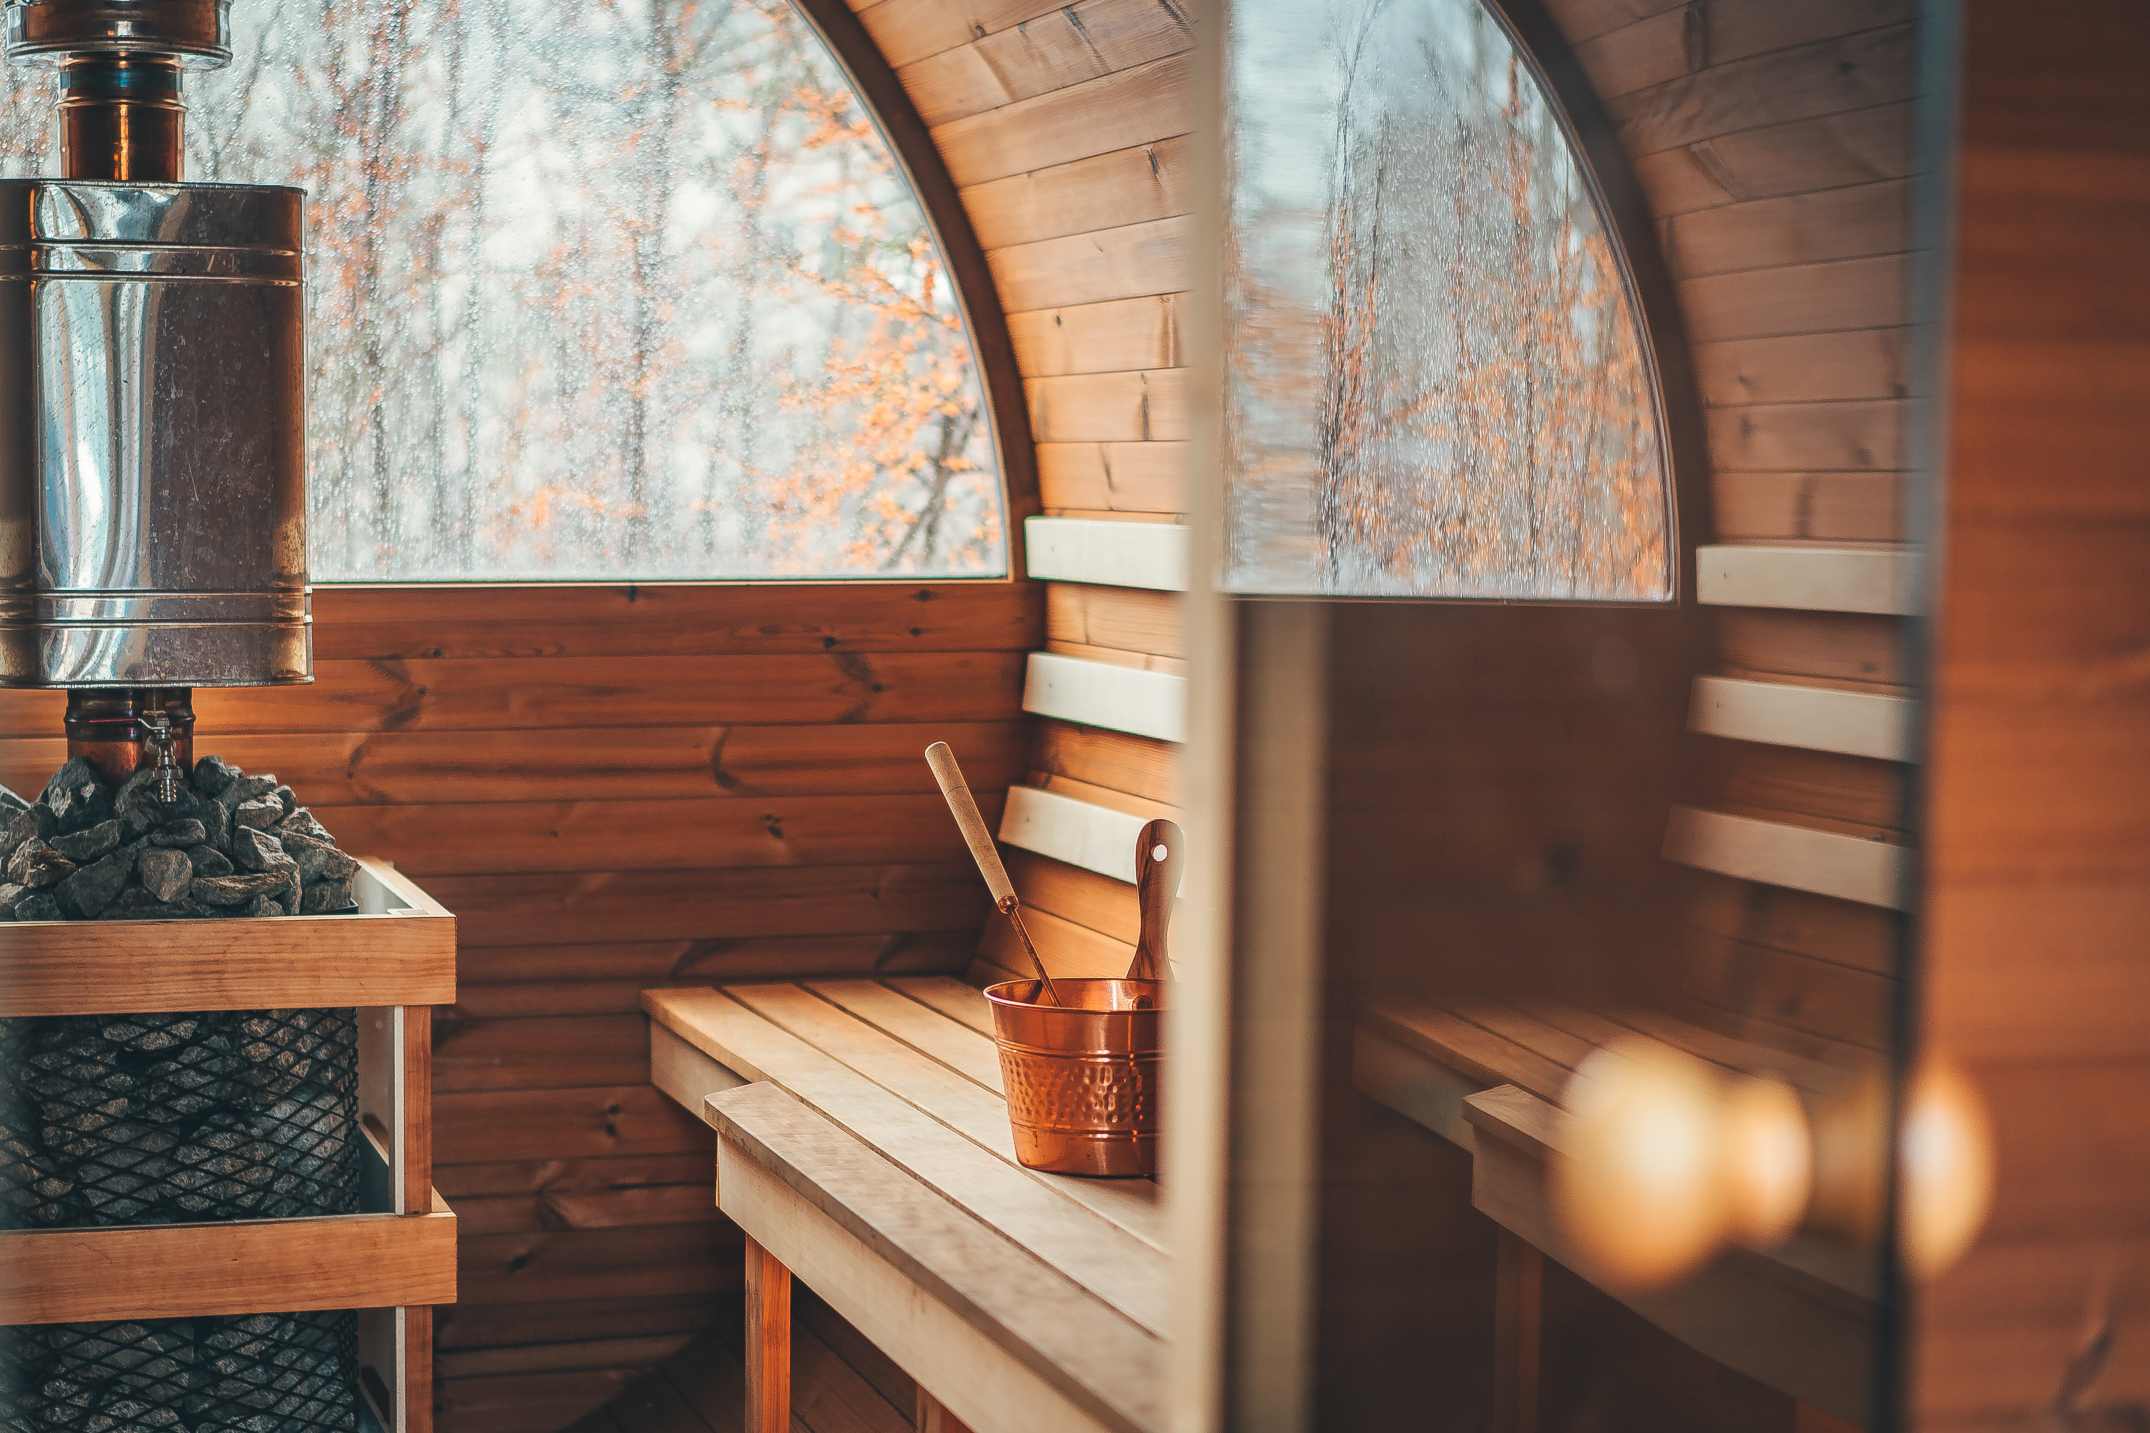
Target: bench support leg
(768, 1342)
(1518, 1334)
(934, 1418)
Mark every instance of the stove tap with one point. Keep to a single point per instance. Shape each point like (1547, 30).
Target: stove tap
(157, 741)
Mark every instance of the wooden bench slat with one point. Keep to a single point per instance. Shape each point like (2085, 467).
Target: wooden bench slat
(1746, 1056)
(1067, 1336)
(1527, 1030)
(922, 1027)
(1600, 1030)
(1471, 1048)
(1119, 1268)
(959, 1002)
(1132, 1205)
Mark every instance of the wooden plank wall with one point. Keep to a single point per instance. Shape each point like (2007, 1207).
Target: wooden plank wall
(786, 825)
(2039, 877)
(1067, 129)
(615, 788)
(1774, 144)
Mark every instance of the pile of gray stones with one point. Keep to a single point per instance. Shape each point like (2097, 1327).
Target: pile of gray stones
(229, 844)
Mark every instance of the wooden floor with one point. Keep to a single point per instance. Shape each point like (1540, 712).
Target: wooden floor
(840, 1384)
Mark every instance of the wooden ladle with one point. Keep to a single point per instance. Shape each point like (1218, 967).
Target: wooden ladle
(971, 822)
(1159, 850)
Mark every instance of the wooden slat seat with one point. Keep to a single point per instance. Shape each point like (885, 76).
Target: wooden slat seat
(1491, 1077)
(863, 1145)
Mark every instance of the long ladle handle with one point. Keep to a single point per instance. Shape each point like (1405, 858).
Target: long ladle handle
(1158, 855)
(971, 822)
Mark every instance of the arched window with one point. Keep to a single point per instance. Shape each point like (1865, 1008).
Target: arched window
(602, 291)
(1436, 378)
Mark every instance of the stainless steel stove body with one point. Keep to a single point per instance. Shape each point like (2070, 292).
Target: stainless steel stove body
(152, 385)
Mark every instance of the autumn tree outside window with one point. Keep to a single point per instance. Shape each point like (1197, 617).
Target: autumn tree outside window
(600, 292)
(1437, 382)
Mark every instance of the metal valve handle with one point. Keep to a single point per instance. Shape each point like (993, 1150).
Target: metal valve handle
(157, 740)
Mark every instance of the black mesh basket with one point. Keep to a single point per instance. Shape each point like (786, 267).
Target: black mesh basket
(169, 1119)
(165, 1119)
(259, 1373)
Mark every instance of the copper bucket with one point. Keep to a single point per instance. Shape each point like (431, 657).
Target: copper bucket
(1083, 1077)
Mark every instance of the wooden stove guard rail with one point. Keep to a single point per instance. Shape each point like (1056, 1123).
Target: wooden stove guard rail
(863, 1146)
(392, 960)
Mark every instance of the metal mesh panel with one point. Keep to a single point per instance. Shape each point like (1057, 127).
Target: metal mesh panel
(260, 1373)
(162, 1119)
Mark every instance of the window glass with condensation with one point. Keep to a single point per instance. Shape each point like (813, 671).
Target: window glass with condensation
(599, 292)
(1436, 379)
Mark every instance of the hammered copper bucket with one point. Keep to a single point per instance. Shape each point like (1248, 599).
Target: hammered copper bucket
(1083, 1077)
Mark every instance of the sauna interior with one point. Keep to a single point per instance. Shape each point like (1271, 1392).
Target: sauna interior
(1614, 532)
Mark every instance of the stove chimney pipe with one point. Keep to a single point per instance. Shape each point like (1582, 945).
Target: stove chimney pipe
(152, 396)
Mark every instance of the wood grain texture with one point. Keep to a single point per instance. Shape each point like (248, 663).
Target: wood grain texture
(204, 1270)
(1107, 191)
(1802, 858)
(686, 905)
(395, 768)
(2036, 886)
(1060, 47)
(1126, 619)
(832, 1200)
(768, 1342)
(531, 713)
(400, 957)
(1102, 694)
(1879, 579)
(1798, 157)
(1098, 303)
(506, 837)
(1849, 73)
(1119, 554)
(940, 1128)
(670, 619)
(533, 694)
(1131, 107)
(1149, 405)
(1105, 335)
(1113, 477)
(1866, 724)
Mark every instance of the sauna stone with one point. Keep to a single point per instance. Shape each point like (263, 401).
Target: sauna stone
(166, 873)
(231, 844)
(90, 843)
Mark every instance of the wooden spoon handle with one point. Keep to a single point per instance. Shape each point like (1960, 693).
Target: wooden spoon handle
(971, 822)
(1157, 885)
(976, 835)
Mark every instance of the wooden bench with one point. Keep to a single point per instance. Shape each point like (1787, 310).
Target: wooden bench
(863, 1147)
(1490, 1078)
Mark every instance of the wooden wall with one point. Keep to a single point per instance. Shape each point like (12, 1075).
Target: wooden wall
(1774, 144)
(2039, 875)
(675, 783)
(615, 788)
(1067, 129)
